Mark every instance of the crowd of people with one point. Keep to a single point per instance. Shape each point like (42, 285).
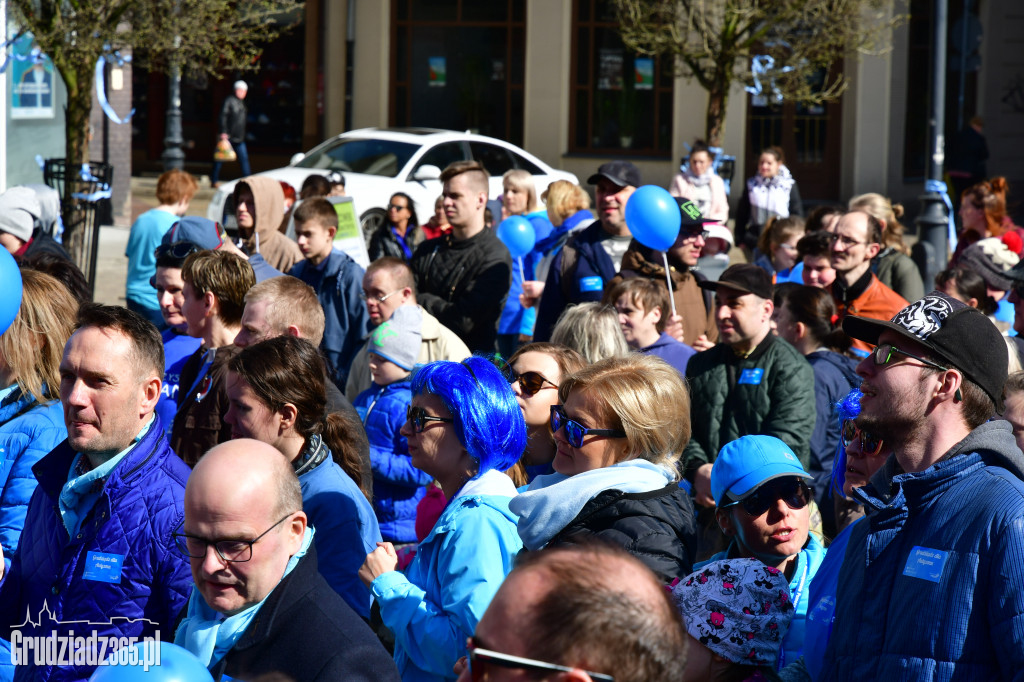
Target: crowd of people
(606, 463)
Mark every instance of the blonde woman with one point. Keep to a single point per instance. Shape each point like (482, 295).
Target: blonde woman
(567, 206)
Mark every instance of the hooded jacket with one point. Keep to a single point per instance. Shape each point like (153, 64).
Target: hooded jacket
(932, 586)
(835, 375)
(459, 566)
(268, 212)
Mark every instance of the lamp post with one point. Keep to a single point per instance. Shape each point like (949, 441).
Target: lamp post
(173, 157)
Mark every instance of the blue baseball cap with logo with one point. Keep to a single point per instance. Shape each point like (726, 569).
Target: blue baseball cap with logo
(747, 463)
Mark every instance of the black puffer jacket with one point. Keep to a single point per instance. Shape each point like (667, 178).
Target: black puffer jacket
(658, 528)
(464, 285)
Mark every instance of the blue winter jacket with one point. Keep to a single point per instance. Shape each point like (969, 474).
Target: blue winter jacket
(346, 530)
(807, 563)
(436, 605)
(933, 580)
(140, 506)
(834, 375)
(592, 271)
(397, 484)
(338, 283)
(28, 430)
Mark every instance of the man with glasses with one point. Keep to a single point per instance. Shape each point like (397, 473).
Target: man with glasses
(762, 499)
(856, 289)
(556, 618)
(932, 585)
(251, 552)
(387, 286)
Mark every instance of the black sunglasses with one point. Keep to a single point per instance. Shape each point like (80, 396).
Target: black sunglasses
(883, 355)
(791, 490)
(177, 250)
(419, 418)
(870, 446)
(529, 382)
(574, 431)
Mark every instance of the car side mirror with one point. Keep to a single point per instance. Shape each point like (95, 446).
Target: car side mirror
(427, 172)
(298, 156)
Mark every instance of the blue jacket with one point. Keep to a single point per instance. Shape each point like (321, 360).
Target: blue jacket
(397, 484)
(807, 563)
(346, 530)
(28, 430)
(671, 351)
(178, 348)
(822, 603)
(834, 375)
(140, 506)
(515, 319)
(338, 282)
(584, 279)
(436, 605)
(933, 581)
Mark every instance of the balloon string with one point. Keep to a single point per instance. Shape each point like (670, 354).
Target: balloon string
(668, 280)
(522, 273)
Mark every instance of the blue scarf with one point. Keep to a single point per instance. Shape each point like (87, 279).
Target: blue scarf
(208, 634)
(552, 501)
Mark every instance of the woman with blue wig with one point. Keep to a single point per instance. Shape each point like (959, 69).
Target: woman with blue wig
(858, 456)
(464, 428)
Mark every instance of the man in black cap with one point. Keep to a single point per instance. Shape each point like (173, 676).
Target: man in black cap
(752, 382)
(932, 581)
(589, 260)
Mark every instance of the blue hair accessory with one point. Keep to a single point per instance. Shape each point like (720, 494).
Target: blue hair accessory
(847, 408)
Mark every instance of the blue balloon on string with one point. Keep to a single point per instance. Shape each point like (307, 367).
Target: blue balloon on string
(177, 664)
(10, 289)
(518, 235)
(653, 217)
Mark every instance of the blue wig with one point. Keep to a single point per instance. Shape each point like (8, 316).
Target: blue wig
(488, 420)
(847, 408)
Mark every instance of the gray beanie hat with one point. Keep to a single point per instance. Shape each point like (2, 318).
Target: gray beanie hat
(399, 339)
(992, 260)
(19, 210)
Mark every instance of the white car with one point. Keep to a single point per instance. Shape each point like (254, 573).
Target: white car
(377, 162)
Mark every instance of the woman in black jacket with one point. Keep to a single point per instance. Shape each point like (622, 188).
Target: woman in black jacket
(619, 431)
(400, 234)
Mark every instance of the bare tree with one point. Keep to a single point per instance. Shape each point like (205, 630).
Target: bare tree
(715, 41)
(213, 36)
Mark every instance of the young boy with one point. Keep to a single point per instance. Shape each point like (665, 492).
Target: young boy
(642, 303)
(397, 485)
(337, 280)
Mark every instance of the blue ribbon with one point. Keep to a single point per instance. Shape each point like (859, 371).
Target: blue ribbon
(101, 88)
(761, 66)
(103, 192)
(35, 55)
(939, 187)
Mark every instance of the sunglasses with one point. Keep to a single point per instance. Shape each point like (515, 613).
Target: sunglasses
(480, 659)
(791, 490)
(870, 446)
(529, 382)
(687, 233)
(883, 355)
(177, 250)
(419, 418)
(574, 431)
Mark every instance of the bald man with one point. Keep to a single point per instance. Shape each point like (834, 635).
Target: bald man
(588, 625)
(250, 549)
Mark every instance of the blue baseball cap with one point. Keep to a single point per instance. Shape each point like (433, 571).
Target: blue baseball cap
(748, 462)
(202, 232)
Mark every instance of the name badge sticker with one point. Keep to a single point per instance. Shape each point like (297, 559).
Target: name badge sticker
(593, 283)
(751, 376)
(103, 567)
(926, 564)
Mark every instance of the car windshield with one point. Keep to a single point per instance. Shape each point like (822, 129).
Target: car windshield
(361, 155)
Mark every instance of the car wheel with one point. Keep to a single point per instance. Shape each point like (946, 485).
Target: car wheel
(370, 221)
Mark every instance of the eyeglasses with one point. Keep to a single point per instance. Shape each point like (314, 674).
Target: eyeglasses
(529, 382)
(379, 299)
(883, 355)
(230, 551)
(574, 431)
(419, 418)
(480, 658)
(791, 490)
(847, 242)
(694, 233)
(870, 446)
(177, 250)
(396, 207)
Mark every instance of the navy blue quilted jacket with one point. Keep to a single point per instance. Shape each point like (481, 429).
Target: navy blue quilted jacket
(932, 583)
(141, 504)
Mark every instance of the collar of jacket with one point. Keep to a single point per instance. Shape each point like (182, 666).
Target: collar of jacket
(758, 350)
(847, 294)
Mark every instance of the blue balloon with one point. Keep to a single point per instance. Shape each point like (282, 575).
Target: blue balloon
(652, 215)
(177, 664)
(518, 235)
(10, 289)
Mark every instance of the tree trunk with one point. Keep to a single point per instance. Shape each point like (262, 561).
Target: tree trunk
(79, 82)
(718, 99)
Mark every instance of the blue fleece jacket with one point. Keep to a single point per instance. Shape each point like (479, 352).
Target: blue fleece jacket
(671, 351)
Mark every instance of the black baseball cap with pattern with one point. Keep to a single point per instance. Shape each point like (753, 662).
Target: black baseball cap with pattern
(954, 332)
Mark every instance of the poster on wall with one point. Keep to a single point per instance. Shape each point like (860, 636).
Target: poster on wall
(438, 71)
(644, 67)
(609, 75)
(31, 81)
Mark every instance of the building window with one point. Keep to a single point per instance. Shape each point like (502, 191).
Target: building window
(621, 103)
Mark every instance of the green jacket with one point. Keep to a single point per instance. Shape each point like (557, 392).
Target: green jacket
(770, 392)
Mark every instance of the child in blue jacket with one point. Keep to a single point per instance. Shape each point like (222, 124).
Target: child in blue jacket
(397, 485)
